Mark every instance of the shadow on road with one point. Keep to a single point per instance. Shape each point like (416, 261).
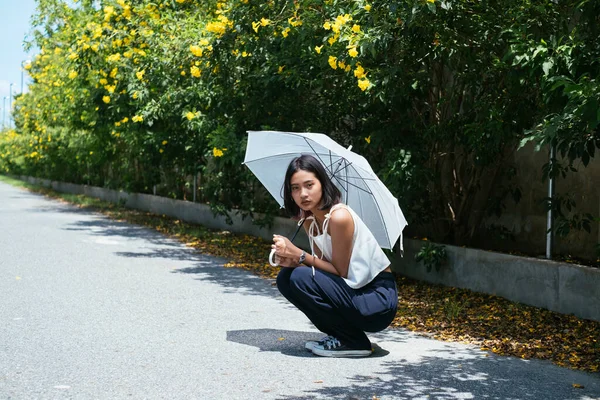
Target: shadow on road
(232, 280)
(471, 377)
(290, 343)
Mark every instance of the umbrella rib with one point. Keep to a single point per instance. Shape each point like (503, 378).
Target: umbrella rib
(347, 182)
(320, 159)
(278, 155)
(378, 208)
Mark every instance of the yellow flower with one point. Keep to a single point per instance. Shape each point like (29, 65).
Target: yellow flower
(216, 27)
(106, 99)
(109, 88)
(190, 115)
(363, 84)
(255, 26)
(196, 50)
(318, 49)
(327, 25)
(359, 72)
(140, 74)
(195, 71)
(114, 57)
(103, 81)
(134, 95)
(356, 28)
(217, 152)
(353, 52)
(336, 26)
(264, 22)
(341, 64)
(137, 118)
(332, 62)
(368, 140)
(367, 7)
(332, 40)
(114, 72)
(293, 21)
(164, 142)
(431, 1)
(204, 42)
(73, 74)
(182, 73)
(285, 32)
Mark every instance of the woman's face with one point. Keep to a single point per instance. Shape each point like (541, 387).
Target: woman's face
(306, 190)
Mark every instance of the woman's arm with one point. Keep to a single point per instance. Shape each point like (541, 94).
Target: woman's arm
(341, 230)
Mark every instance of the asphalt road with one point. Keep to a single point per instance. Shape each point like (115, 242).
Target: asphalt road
(92, 308)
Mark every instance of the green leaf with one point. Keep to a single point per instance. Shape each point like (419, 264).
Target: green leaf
(547, 66)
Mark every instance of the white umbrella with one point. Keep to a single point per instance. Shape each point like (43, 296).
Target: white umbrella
(269, 153)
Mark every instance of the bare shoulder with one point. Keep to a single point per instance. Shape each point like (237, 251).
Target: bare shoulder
(341, 217)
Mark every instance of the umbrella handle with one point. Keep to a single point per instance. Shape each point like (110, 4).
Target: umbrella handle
(272, 254)
(271, 261)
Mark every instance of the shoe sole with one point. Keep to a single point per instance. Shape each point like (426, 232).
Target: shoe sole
(342, 353)
(310, 346)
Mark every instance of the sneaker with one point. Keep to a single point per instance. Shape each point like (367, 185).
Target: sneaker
(333, 348)
(310, 345)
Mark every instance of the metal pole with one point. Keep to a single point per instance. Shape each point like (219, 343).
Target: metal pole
(550, 219)
(10, 104)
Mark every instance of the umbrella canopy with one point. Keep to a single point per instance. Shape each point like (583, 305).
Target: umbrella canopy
(269, 153)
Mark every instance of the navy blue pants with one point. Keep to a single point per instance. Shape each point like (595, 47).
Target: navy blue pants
(338, 310)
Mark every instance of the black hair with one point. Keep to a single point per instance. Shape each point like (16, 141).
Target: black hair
(330, 194)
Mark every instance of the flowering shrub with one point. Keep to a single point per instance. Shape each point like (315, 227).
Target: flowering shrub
(137, 94)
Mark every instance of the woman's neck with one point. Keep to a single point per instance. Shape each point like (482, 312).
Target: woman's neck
(320, 215)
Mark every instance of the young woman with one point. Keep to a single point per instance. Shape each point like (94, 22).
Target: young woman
(345, 286)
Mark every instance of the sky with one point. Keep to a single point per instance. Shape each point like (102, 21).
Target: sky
(15, 16)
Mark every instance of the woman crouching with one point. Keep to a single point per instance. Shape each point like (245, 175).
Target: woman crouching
(345, 286)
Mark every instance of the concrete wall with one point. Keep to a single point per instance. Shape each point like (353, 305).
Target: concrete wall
(527, 219)
(565, 288)
(561, 287)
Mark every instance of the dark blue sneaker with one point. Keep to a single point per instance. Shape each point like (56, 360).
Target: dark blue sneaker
(333, 348)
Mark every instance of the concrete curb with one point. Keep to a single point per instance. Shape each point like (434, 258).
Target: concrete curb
(561, 287)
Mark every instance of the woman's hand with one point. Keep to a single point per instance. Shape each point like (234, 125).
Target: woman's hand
(284, 248)
(285, 262)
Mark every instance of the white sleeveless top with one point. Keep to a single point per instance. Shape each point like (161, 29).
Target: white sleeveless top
(367, 259)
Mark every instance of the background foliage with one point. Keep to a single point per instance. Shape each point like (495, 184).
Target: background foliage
(435, 94)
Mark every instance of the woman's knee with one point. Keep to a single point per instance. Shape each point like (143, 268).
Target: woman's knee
(283, 281)
(301, 279)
